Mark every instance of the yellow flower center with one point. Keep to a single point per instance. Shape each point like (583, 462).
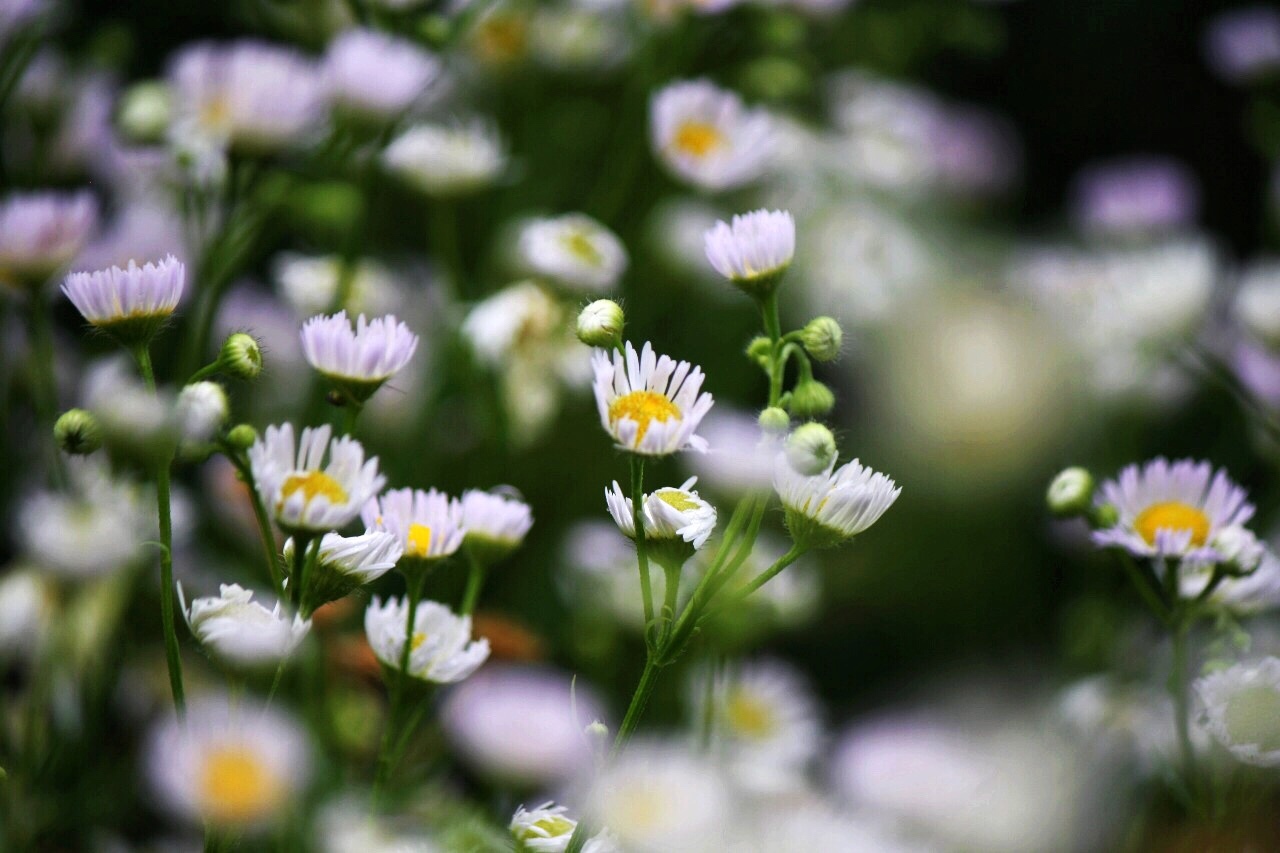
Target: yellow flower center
(1253, 716)
(698, 138)
(748, 716)
(554, 827)
(643, 407)
(313, 484)
(417, 640)
(215, 114)
(579, 244)
(236, 787)
(419, 544)
(1174, 516)
(679, 500)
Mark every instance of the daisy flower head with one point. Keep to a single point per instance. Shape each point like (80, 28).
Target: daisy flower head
(306, 495)
(650, 404)
(241, 632)
(357, 360)
(345, 563)
(548, 829)
(1242, 710)
(40, 233)
(753, 250)
(427, 524)
(573, 250)
(230, 765)
(705, 135)
(833, 505)
(129, 304)
(495, 523)
(1173, 509)
(677, 522)
(447, 161)
(372, 75)
(440, 649)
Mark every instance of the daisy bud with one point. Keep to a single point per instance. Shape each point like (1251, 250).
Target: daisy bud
(241, 356)
(1106, 516)
(822, 338)
(77, 432)
(811, 448)
(811, 399)
(597, 731)
(242, 436)
(600, 324)
(145, 111)
(775, 420)
(202, 410)
(1071, 493)
(759, 349)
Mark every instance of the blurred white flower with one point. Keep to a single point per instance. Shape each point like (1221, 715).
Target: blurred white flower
(26, 610)
(1143, 196)
(311, 284)
(1242, 710)
(705, 135)
(1257, 302)
(201, 409)
(40, 233)
(241, 632)
(440, 649)
(447, 160)
(573, 250)
(739, 457)
(427, 524)
(347, 825)
(376, 75)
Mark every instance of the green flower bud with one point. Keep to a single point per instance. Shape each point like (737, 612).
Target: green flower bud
(241, 356)
(242, 436)
(811, 448)
(822, 338)
(811, 399)
(77, 432)
(759, 349)
(144, 111)
(775, 421)
(1106, 516)
(600, 324)
(1071, 493)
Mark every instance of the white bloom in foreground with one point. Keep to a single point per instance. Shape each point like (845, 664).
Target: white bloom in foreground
(706, 136)
(650, 404)
(240, 631)
(494, 522)
(130, 303)
(740, 456)
(441, 649)
(377, 75)
(834, 505)
(447, 160)
(754, 249)
(357, 359)
(521, 724)
(40, 233)
(669, 513)
(247, 94)
(547, 829)
(26, 611)
(1177, 509)
(575, 250)
(808, 825)
(347, 825)
(232, 766)
(202, 409)
(303, 493)
(1242, 710)
(363, 558)
(427, 524)
(1257, 303)
(661, 797)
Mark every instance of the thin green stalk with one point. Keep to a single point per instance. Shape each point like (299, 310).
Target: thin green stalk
(670, 601)
(44, 389)
(443, 223)
(635, 710)
(764, 577)
(1178, 683)
(773, 328)
(298, 576)
(414, 591)
(642, 555)
(475, 582)
(264, 522)
(351, 411)
(1150, 596)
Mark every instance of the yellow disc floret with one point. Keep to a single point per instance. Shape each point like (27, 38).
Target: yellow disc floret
(313, 484)
(419, 544)
(643, 407)
(748, 716)
(236, 787)
(678, 500)
(698, 138)
(1173, 516)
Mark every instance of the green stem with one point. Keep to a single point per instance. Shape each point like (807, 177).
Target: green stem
(205, 372)
(297, 578)
(1181, 704)
(773, 328)
(44, 389)
(413, 583)
(475, 581)
(1149, 593)
(670, 601)
(444, 241)
(260, 515)
(639, 700)
(642, 555)
(764, 577)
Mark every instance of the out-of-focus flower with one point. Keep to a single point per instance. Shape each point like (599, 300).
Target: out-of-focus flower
(241, 632)
(661, 797)
(1257, 303)
(26, 608)
(1137, 197)
(1244, 44)
(145, 228)
(17, 13)
(305, 495)
(134, 420)
(441, 649)
(40, 233)
(375, 75)
(804, 825)
(250, 95)
(312, 284)
(500, 35)
(602, 570)
(573, 250)
(357, 360)
(234, 766)
(1178, 509)
(739, 455)
(347, 825)
(129, 304)
(706, 136)
(427, 524)
(1242, 710)
(754, 250)
(96, 527)
(650, 404)
(833, 505)
(495, 523)
(202, 410)
(447, 160)
(145, 111)
(521, 724)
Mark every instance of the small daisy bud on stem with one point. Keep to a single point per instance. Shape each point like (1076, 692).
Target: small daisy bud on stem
(822, 338)
(242, 436)
(811, 448)
(144, 112)
(77, 432)
(202, 410)
(600, 324)
(774, 420)
(760, 349)
(812, 399)
(241, 356)
(1071, 493)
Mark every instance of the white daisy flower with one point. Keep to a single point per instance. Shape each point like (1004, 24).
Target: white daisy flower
(1177, 509)
(241, 632)
(202, 409)
(130, 304)
(40, 233)
(548, 829)
(428, 525)
(363, 558)
(375, 75)
(305, 495)
(248, 94)
(650, 404)
(1242, 710)
(1257, 302)
(447, 160)
(574, 250)
(669, 513)
(347, 824)
(754, 250)
(230, 765)
(834, 505)
(311, 285)
(705, 135)
(495, 523)
(358, 360)
(441, 649)
(27, 608)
